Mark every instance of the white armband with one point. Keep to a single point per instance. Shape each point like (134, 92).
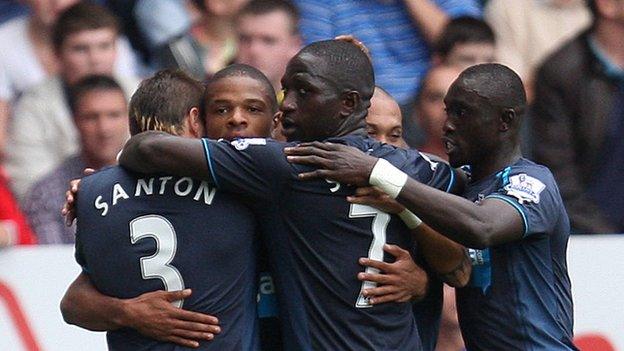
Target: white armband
(411, 220)
(387, 178)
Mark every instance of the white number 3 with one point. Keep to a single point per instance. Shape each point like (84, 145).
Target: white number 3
(157, 265)
(375, 252)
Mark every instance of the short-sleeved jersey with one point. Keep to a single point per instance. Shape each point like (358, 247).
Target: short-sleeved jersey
(519, 295)
(141, 233)
(315, 238)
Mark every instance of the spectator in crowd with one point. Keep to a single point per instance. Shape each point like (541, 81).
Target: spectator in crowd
(214, 29)
(579, 121)
(384, 120)
(465, 42)
(429, 108)
(398, 33)
(10, 9)
(42, 132)
(98, 107)
(529, 30)
(14, 229)
(28, 57)
(268, 37)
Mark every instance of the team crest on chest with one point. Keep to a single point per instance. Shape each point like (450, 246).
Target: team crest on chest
(525, 188)
(242, 144)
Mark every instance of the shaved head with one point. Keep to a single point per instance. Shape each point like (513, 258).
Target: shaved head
(345, 64)
(496, 83)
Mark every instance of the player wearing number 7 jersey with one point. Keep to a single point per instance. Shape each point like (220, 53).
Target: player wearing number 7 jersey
(314, 232)
(141, 233)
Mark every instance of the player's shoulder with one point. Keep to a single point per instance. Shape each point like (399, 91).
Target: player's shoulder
(532, 169)
(528, 181)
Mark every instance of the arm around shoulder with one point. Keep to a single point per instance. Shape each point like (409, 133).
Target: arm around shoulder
(157, 152)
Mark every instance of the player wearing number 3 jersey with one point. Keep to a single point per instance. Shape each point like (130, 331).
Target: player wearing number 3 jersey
(141, 233)
(312, 230)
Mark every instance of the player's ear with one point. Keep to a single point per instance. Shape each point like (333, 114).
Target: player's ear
(195, 123)
(350, 103)
(508, 117)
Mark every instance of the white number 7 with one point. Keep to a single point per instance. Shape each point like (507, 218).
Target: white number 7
(157, 265)
(375, 252)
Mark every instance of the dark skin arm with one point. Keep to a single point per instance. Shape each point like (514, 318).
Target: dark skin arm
(445, 257)
(152, 152)
(151, 314)
(491, 222)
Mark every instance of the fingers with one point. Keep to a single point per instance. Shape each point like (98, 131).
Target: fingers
(196, 327)
(88, 171)
(196, 317)
(319, 173)
(73, 185)
(177, 295)
(364, 191)
(381, 291)
(382, 266)
(182, 341)
(321, 145)
(315, 161)
(364, 200)
(375, 278)
(397, 252)
(389, 298)
(315, 147)
(187, 334)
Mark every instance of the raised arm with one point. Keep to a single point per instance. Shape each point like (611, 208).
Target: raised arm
(428, 17)
(156, 152)
(151, 314)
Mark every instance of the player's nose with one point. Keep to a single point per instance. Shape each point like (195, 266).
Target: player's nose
(238, 118)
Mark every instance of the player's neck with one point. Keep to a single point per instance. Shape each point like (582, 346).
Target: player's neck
(609, 36)
(351, 128)
(495, 162)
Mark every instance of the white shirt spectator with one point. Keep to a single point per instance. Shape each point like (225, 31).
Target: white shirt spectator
(20, 68)
(42, 133)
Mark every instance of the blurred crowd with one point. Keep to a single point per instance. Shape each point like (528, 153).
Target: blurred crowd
(68, 68)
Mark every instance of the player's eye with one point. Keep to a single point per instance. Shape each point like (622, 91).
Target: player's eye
(222, 110)
(254, 109)
(302, 91)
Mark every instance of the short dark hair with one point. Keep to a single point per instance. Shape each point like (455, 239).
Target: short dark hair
(499, 83)
(463, 30)
(346, 65)
(163, 101)
(88, 84)
(262, 7)
(242, 70)
(84, 15)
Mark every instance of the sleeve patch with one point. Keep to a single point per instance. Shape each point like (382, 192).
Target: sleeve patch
(242, 144)
(524, 188)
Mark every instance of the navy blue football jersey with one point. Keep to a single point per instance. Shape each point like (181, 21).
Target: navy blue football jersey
(518, 297)
(140, 233)
(315, 238)
(428, 311)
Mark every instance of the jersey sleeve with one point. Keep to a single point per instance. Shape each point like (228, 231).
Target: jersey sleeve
(439, 175)
(253, 167)
(534, 194)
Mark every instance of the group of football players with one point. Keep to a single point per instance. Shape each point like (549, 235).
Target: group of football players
(205, 213)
